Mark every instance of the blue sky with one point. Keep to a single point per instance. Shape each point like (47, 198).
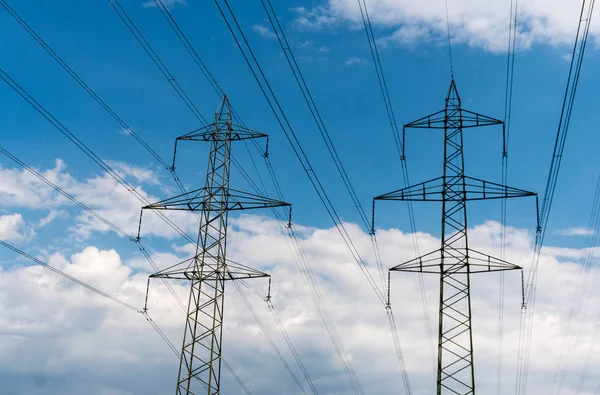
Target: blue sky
(334, 56)
(92, 39)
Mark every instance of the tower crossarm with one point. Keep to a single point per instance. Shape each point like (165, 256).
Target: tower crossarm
(434, 190)
(455, 261)
(437, 120)
(209, 269)
(214, 132)
(200, 199)
(184, 270)
(478, 262)
(223, 129)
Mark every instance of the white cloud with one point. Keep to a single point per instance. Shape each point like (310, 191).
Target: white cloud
(80, 343)
(477, 23)
(314, 19)
(354, 60)
(263, 31)
(139, 174)
(12, 227)
(52, 215)
(19, 188)
(575, 232)
(408, 35)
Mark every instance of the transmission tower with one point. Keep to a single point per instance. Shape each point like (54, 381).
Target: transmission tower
(208, 269)
(455, 261)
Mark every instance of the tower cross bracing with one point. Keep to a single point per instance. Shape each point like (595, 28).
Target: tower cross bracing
(209, 268)
(455, 261)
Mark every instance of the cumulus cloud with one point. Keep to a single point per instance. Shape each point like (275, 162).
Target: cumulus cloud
(482, 24)
(64, 340)
(139, 174)
(12, 227)
(19, 188)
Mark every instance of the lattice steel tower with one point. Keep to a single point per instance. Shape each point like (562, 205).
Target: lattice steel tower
(208, 269)
(455, 260)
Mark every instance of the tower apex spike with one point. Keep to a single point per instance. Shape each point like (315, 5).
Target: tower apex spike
(223, 114)
(453, 97)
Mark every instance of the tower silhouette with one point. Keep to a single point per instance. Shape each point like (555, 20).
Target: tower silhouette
(455, 261)
(209, 269)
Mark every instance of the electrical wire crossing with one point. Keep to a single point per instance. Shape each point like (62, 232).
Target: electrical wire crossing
(455, 261)
(208, 269)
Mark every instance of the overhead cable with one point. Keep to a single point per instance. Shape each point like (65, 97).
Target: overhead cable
(116, 5)
(322, 309)
(269, 338)
(383, 87)
(116, 300)
(266, 89)
(83, 147)
(508, 96)
(68, 277)
(526, 331)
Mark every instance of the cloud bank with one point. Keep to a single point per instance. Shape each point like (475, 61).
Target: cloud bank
(61, 339)
(481, 24)
(58, 338)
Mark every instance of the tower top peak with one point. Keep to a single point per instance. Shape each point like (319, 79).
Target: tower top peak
(453, 98)
(223, 114)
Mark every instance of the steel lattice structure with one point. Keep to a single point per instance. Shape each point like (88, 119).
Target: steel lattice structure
(208, 269)
(455, 261)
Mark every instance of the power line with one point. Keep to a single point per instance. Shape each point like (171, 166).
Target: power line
(97, 98)
(291, 347)
(455, 261)
(116, 300)
(510, 64)
(189, 47)
(526, 331)
(198, 62)
(67, 195)
(270, 339)
(213, 81)
(314, 111)
(580, 301)
(449, 42)
(283, 331)
(68, 277)
(116, 5)
(83, 147)
(297, 147)
(308, 98)
(399, 142)
(275, 106)
(93, 94)
(93, 213)
(80, 81)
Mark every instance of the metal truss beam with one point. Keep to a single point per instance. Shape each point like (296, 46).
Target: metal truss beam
(209, 269)
(455, 261)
